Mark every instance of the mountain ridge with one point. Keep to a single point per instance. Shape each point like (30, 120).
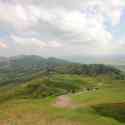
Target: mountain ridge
(22, 68)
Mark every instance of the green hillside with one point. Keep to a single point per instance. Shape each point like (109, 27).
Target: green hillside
(23, 68)
(35, 90)
(99, 101)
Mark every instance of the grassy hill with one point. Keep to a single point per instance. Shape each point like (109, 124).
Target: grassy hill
(35, 90)
(104, 105)
(23, 68)
(52, 85)
(120, 67)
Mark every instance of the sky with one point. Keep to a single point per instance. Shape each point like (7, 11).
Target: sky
(62, 27)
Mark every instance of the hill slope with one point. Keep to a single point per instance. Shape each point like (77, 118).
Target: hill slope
(32, 85)
(23, 68)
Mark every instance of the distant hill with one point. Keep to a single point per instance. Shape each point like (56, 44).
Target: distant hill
(2, 59)
(103, 59)
(120, 67)
(22, 68)
(38, 77)
(31, 61)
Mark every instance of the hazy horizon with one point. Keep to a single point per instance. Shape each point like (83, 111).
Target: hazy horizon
(108, 60)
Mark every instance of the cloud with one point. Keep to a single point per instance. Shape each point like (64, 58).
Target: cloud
(18, 13)
(3, 45)
(17, 16)
(108, 9)
(81, 25)
(33, 43)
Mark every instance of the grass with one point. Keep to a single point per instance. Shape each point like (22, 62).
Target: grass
(42, 111)
(113, 110)
(104, 106)
(53, 85)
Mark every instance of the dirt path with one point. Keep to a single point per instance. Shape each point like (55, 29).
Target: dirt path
(64, 101)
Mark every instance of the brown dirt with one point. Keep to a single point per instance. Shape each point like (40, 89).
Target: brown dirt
(64, 101)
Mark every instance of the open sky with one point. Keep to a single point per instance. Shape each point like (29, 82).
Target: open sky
(62, 27)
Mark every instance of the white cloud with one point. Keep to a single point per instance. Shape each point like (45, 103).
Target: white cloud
(3, 45)
(85, 28)
(54, 44)
(29, 14)
(19, 16)
(28, 42)
(33, 43)
(107, 8)
(80, 24)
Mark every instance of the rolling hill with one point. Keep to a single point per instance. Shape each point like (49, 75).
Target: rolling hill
(74, 93)
(22, 68)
